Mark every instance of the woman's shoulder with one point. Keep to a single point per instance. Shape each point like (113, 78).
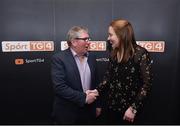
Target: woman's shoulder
(140, 50)
(139, 53)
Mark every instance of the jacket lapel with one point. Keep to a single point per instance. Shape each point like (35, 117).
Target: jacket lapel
(73, 65)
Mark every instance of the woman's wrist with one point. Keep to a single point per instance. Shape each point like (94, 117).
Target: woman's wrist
(134, 111)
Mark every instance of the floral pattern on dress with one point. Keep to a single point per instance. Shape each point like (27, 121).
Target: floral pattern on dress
(127, 84)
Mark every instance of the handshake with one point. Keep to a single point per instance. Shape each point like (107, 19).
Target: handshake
(91, 96)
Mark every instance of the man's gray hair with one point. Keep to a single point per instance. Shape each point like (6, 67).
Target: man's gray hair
(75, 32)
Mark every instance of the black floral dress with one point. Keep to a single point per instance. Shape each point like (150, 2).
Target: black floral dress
(127, 84)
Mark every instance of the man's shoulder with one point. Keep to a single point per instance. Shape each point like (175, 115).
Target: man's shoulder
(61, 53)
(92, 54)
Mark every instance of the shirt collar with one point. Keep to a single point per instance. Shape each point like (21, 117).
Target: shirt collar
(75, 54)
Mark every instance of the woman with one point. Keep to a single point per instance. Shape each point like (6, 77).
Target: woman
(128, 79)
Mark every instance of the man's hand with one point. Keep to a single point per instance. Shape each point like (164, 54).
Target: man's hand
(91, 96)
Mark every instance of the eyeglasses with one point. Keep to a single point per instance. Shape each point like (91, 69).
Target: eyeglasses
(87, 39)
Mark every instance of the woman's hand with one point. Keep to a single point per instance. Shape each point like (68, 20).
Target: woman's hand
(129, 115)
(98, 112)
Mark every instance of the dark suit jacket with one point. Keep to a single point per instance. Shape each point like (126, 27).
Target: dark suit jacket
(69, 96)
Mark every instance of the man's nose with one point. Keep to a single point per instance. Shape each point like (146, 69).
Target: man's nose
(88, 42)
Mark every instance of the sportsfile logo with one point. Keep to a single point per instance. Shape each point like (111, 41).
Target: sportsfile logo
(94, 45)
(24, 46)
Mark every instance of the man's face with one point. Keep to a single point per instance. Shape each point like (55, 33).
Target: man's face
(81, 44)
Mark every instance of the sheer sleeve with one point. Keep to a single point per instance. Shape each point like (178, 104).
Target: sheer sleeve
(104, 86)
(145, 64)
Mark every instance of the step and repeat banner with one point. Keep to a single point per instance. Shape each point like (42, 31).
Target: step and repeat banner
(31, 31)
(48, 46)
(26, 77)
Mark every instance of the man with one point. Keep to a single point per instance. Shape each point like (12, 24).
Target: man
(74, 76)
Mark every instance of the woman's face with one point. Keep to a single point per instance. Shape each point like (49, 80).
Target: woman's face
(112, 37)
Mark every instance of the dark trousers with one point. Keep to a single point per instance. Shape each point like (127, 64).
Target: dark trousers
(85, 115)
(110, 117)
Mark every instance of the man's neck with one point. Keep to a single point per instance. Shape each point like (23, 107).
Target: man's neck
(78, 54)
